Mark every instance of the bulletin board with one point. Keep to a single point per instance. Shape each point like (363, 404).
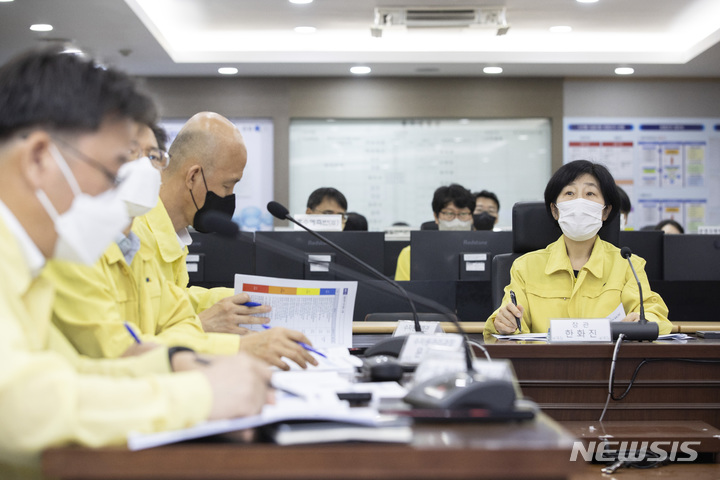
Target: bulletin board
(669, 167)
(389, 168)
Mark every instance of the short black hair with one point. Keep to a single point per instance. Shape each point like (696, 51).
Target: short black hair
(161, 136)
(454, 193)
(355, 221)
(669, 222)
(490, 195)
(625, 205)
(570, 171)
(320, 194)
(66, 92)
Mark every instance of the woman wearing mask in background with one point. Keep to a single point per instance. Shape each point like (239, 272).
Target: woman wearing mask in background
(579, 275)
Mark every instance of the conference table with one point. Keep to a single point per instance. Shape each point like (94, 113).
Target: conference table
(538, 449)
(675, 380)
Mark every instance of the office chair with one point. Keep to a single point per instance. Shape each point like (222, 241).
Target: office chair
(533, 229)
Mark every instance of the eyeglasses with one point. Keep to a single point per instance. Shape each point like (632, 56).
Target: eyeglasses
(490, 210)
(160, 159)
(330, 212)
(112, 178)
(447, 215)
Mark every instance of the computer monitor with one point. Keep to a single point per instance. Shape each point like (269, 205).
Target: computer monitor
(647, 244)
(691, 257)
(443, 255)
(300, 255)
(213, 260)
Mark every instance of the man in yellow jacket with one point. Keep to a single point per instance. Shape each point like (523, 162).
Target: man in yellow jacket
(93, 302)
(66, 126)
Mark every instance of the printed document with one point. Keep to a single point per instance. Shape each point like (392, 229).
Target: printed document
(322, 310)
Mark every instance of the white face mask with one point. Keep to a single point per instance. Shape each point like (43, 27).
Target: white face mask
(140, 186)
(455, 224)
(580, 219)
(90, 225)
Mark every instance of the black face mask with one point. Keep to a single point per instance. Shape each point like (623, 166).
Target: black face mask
(214, 206)
(483, 221)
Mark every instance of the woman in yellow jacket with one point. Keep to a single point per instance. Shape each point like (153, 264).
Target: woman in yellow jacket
(579, 275)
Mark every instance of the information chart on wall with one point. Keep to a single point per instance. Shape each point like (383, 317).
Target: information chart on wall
(389, 168)
(255, 189)
(670, 167)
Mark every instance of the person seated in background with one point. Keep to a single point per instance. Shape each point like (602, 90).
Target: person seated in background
(452, 208)
(487, 210)
(625, 207)
(355, 222)
(66, 127)
(579, 275)
(93, 302)
(327, 201)
(670, 227)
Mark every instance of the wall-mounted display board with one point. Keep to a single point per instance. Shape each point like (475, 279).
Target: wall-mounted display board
(255, 189)
(670, 167)
(389, 168)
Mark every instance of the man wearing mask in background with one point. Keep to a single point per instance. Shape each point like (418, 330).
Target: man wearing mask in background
(208, 157)
(93, 302)
(487, 210)
(452, 208)
(66, 127)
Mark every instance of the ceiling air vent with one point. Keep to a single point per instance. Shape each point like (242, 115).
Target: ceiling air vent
(439, 17)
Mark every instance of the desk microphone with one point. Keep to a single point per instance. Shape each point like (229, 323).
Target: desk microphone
(390, 346)
(642, 329)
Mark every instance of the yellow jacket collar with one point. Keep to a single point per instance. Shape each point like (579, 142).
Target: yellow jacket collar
(559, 260)
(162, 228)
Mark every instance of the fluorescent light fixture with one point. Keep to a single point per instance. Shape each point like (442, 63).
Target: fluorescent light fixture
(587, 1)
(6, 1)
(41, 27)
(227, 70)
(561, 29)
(492, 70)
(305, 29)
(300, 2)
(624, 71)
(360, 70)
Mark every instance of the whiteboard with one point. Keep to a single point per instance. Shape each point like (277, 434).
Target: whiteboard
(389, 168)
(255, 189)
(669, 167)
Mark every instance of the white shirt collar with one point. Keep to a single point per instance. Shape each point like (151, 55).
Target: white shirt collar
(184, 238)
(34, 258)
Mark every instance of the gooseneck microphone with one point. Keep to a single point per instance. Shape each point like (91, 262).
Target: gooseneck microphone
(279, 211)
(642, 329)
(626, 254)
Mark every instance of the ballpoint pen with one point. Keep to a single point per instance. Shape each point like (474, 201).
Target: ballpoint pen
(517, 319)
(252, 304)
(132, 332)
(302, 344)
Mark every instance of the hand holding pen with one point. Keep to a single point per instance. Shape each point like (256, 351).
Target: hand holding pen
(275, 343)
(509, 317)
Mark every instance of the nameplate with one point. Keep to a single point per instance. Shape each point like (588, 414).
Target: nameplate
(577, 330)
(406, 327)
(417, 346)
(323, 223)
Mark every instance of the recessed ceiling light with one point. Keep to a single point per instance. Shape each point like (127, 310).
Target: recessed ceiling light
(360, 70)
(561, 29)
(587, 1)
(305, 29)
(227, 70)
(624, 71)
(6, 1)
(300, 2)
(492, 70)
(41, 27)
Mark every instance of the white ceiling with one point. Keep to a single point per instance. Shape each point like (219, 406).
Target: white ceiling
(658, 38)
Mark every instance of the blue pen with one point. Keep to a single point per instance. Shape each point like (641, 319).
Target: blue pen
(302, 344)
(132, 332)
(252, 304)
